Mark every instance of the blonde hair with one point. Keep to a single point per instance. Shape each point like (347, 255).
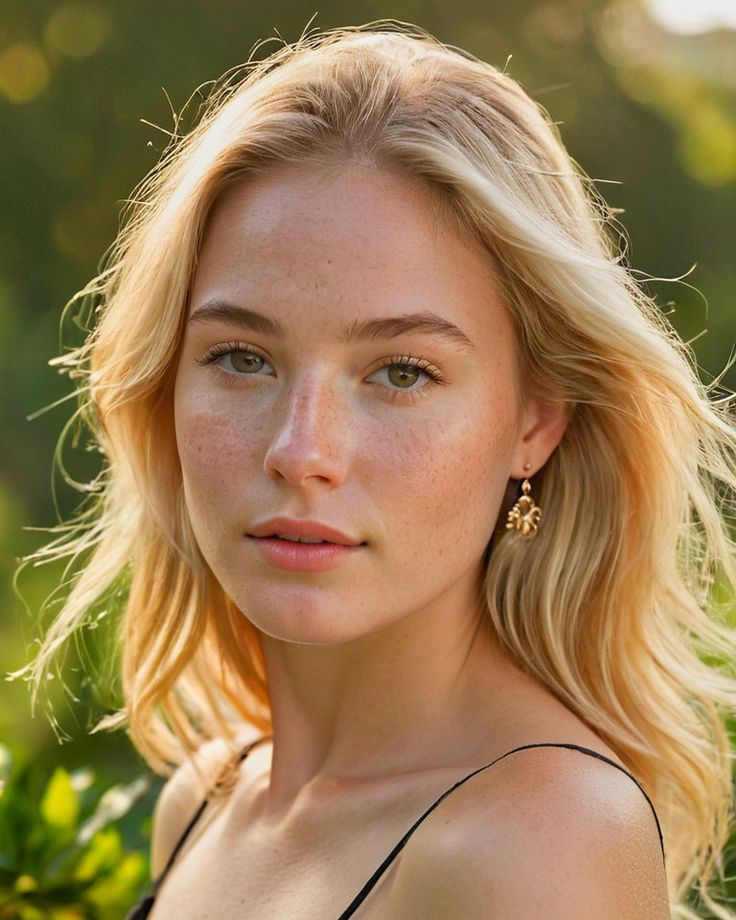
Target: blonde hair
(612, 606)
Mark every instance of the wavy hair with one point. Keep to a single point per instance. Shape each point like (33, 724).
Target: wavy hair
(615, 605)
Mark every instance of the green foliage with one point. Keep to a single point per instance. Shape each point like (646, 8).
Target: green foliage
(61, 855)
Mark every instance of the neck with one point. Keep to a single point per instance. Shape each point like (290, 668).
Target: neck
(415, 695)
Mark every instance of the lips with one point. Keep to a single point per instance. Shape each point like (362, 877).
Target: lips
(294, 556)
(300, 527)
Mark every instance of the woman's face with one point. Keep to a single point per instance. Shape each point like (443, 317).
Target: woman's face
(347, 360)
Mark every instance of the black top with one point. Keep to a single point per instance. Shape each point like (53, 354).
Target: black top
(142, 909)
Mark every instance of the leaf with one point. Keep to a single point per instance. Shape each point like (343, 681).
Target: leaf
(104, 852)
(59, 804)
(82, 779)
(6, 764)
(111, 896)
(113, 805)
(19, 816)
(18, 822)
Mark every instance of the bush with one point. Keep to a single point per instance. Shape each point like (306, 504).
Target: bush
(61, 855)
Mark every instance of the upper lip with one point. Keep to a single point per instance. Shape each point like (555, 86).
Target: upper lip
(299, 527)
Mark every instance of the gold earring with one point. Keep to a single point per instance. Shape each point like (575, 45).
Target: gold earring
(525, 515)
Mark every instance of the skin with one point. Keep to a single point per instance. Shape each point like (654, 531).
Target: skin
(383, 688)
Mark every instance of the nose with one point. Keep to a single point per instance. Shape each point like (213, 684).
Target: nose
(308, 445)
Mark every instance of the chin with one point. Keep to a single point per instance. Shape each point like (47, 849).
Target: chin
(305, 623)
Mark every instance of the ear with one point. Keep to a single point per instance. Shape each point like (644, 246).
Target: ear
(544, 420)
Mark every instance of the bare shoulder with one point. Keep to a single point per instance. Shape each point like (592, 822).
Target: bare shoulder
(182, 794)
(546, 832)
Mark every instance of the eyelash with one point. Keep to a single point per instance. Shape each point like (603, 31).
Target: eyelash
(433, 373)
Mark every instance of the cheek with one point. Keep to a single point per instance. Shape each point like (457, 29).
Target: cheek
(213, 451)
(448, 478)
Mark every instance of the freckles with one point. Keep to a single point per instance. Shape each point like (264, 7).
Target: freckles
(461, 467)
(214, 440)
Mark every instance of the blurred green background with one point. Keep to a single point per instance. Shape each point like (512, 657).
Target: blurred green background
(645, 95)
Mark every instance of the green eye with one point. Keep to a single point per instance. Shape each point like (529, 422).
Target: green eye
(403, 375)
(235, 358)
(244, 362)
(403, 372)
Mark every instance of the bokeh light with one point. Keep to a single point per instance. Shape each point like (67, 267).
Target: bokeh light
(24, 73)
(77, 30)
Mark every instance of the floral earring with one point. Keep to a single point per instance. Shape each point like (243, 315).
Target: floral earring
(525, 515)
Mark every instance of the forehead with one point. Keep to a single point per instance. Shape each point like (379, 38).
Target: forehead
(349, 239)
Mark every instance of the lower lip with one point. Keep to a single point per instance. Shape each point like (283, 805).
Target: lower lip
(302, 557)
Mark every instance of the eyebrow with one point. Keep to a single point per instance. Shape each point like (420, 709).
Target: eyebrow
(368, 330)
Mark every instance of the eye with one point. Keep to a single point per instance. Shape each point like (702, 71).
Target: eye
(403, 372)
(234, 358)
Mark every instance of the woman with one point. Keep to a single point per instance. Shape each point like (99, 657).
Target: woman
(368, 303)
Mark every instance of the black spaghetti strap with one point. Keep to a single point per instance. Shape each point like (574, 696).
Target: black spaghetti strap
(196, 816)
(144, 907)
(365, 890)
(180, 843)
